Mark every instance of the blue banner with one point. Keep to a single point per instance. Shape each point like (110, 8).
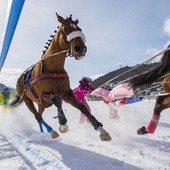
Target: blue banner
(14, 15)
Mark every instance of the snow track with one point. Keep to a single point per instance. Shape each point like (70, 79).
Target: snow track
(55, 155)
(23, 147)
(40, 157)
(11, 158)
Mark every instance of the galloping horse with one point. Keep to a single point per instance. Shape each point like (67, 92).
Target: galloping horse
(49, 82)
(163, 100)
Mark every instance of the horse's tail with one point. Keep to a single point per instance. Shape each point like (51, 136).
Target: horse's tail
(18, 100)
(154, 74)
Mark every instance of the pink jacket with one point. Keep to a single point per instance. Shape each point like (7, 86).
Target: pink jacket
(80, 92)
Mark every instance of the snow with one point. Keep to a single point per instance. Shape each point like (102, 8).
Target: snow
(23, 147)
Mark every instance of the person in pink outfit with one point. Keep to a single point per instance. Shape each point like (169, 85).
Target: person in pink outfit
(113, 111)
(110, 96)
(80, 92)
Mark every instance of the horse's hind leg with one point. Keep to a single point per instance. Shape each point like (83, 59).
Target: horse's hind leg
(162, 102)
(70, 98)
(61, 116)
(31, 107)
(38, 116)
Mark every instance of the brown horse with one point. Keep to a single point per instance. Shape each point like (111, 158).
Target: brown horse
(163, 100)
(49, 82)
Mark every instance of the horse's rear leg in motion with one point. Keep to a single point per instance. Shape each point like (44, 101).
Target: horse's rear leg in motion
(61, 116)
(161, 104)
(70, 98)
(38, 116)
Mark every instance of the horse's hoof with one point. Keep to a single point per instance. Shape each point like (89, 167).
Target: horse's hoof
(142, 131)
(54, 134)
(105, 136)
(63, 128)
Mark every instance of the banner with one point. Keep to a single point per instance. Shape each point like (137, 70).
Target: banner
(15, 11)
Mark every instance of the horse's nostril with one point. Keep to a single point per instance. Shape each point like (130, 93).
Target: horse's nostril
(77, 48)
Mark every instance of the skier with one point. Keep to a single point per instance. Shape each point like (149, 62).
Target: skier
(6, 97)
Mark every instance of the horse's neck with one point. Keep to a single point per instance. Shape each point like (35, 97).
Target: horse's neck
(54, 63)
(54, 58)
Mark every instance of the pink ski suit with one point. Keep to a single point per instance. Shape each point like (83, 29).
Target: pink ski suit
(80, 92)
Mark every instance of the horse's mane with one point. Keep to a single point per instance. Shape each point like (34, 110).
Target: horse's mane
(154, 74)
(48, 43)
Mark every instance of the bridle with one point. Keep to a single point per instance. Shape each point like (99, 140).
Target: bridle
(66, 42)
(67, 39)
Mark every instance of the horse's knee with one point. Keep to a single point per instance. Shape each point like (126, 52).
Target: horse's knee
(161, 104)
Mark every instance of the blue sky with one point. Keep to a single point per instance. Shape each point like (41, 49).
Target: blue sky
(118, 32)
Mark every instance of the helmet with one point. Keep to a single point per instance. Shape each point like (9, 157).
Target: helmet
(85, 81)
(6, 89)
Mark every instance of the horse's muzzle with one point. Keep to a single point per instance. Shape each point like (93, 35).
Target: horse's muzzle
(79, 52)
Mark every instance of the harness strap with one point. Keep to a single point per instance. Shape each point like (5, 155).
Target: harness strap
(47, 76)
(34, 93)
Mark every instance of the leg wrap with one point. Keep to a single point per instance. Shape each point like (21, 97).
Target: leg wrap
(153, 123)
(41, 128)
(57, 102)
(61, 116)
(49, 129)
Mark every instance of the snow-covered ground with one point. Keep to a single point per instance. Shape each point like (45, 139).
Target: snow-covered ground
(22, 146)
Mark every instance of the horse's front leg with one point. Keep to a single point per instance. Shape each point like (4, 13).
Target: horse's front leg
(61, 116)
(162, 102)
(70, 98)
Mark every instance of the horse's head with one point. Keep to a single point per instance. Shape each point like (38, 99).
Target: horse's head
(72, 37)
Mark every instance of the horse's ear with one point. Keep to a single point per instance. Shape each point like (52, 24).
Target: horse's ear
(59, 18)
(76, 21)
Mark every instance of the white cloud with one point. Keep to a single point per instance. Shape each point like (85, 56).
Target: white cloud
(151, 52)
(166, 27)
(95, 76)
(166, 45)
(9, 76)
